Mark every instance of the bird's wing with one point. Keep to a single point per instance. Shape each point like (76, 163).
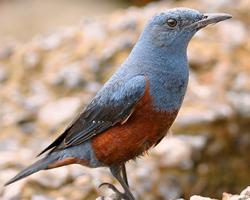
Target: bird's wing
(112, 105)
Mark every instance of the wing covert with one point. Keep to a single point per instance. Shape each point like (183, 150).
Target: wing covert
(113, 104)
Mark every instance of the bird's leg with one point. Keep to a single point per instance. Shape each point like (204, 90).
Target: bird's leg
(116, 171)
(124, 173)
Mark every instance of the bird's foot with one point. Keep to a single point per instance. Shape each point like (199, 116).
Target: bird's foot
(120, 195)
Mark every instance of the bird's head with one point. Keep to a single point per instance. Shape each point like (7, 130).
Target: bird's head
(177, 26)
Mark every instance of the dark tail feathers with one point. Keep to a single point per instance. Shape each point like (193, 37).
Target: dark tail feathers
(37, 166)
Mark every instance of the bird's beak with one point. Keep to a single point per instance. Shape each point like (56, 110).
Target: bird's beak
(210, 18)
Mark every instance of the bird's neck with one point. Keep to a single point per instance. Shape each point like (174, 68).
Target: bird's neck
(167, 69)
(158, 56)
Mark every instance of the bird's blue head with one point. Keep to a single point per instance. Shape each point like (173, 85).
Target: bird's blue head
(175, 27)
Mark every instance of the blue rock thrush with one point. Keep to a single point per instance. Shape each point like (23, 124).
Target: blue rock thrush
(136, 106)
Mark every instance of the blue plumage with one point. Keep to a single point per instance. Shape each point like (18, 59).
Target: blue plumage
(155, 74)
(161, 55)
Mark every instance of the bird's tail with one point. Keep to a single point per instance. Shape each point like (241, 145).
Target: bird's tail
(37, 166)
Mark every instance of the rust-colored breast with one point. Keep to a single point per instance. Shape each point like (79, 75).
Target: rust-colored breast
(141, 131)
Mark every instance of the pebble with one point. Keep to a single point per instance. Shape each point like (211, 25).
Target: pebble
(53, 178)
(240, 102)
(197, 197)
(12, 193)
(244, 195)
(41, 197)
(6, 52)
(3, 73)
(59, 111)
(203, 113)
(180, 157)
(169, 189)
(70, 76)
(31, 59)
(233, 32)
(50, 42)
(246, 191)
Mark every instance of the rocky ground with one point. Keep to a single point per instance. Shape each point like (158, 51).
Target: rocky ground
(244, 195)
(45, 82)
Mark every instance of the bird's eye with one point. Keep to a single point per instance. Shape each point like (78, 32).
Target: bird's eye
(172, 22)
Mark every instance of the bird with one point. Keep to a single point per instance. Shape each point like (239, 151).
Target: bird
(135, 108)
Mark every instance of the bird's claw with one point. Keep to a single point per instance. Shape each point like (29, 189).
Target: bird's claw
(110, 186)
(119, 194)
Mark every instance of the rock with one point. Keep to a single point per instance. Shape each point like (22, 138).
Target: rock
(244, 195)
(41, 197)
(93, 87)
(246, 192)
(227, 196)
(39, 95)
(31, 59)
(14, 157)
(169, 189)
(233, 32)
(197, 197)
(3, 73)
(241, 82)
(81, 192)
(217, 4)
(10, 193)
(70, 76)
(6, 52)
(240, 102)
(57, 112)
(197, 142)
(203, 113)
(50, 42)
(112, 197)
(179, 151)
(174, 152)
(53, 178)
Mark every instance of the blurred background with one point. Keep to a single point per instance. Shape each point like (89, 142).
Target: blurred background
(56, 54)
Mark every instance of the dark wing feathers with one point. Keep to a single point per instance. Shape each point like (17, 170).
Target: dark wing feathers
(111, 106)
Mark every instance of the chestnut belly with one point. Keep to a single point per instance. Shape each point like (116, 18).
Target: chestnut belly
(144, 128)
